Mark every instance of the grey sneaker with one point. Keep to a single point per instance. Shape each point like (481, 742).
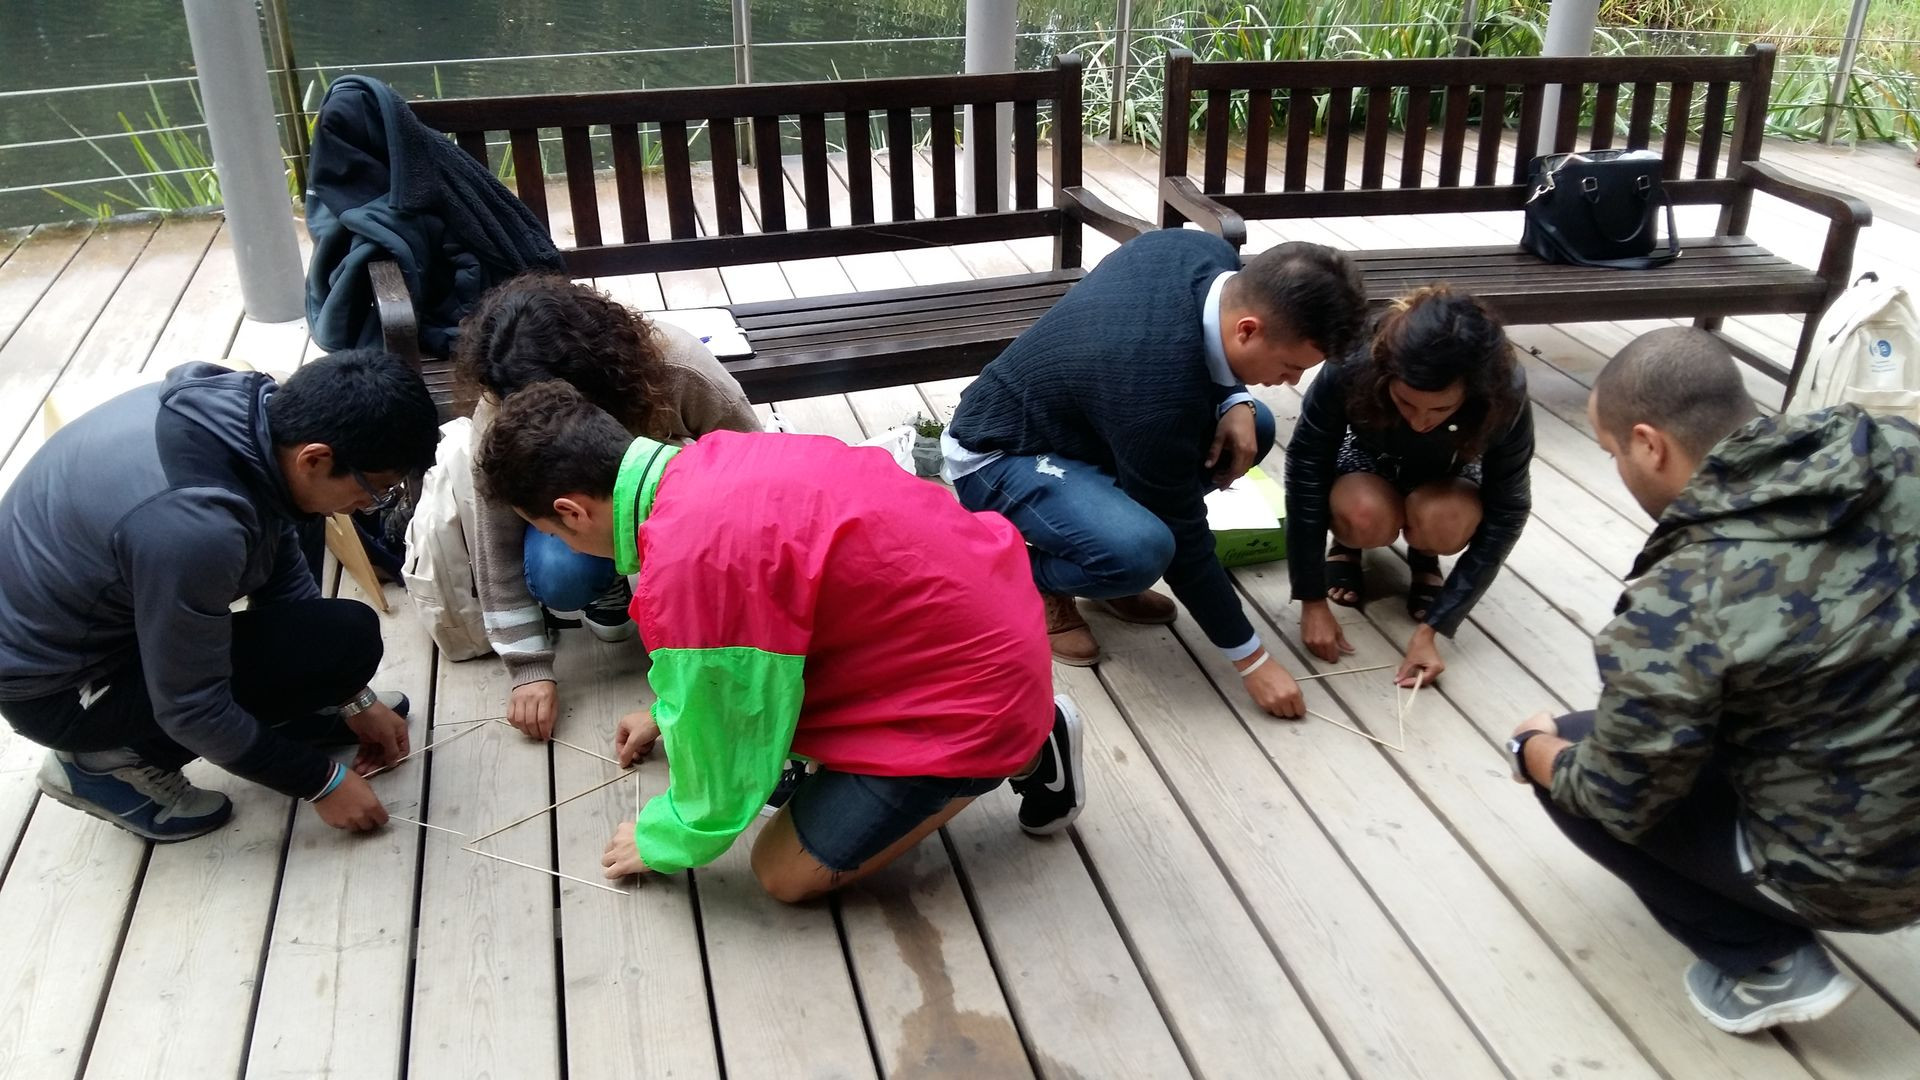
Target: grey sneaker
(1804, 986)
(607, 617)
(145, 800)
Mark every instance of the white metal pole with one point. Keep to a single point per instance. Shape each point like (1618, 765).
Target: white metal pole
(1843, 73)
(1463, 42)
(743, 74)
(232, 65)
(1570, 26)
(990, 30)
(1122, 67)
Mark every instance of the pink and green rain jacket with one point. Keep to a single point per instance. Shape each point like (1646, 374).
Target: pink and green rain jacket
(802, 597)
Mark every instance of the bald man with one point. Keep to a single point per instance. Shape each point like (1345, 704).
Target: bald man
(1752, 769)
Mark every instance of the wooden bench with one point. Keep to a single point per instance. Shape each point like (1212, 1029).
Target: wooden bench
(1481, 167)
(819, 344)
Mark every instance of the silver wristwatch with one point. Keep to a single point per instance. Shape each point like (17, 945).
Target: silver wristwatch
(364, 700)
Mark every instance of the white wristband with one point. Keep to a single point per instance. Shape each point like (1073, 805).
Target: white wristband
(1255, 666)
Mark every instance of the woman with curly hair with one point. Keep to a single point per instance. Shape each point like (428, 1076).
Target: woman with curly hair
(658, 380)
(1427, 434)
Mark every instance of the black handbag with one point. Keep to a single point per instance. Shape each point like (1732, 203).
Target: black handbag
(1599, 208)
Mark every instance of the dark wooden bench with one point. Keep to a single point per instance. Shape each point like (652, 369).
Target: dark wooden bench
(1482, 166)
(818, 344)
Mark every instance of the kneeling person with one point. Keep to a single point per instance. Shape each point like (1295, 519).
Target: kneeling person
(1752, 770)
(125, 543)
(800, 597)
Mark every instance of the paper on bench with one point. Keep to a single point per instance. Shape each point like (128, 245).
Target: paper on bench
(715, 327)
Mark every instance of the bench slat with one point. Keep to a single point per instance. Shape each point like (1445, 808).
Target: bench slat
(900, 162)
(475, 144)
(813, 169)
(1219, 120)
(772, 174)
(629, 182)
(724, 139)
(1533, 100)
(1453, 139)
(944, 320)
(1413, 152)
(1606, 112)
(941, 149)
(1300, 109)
(1493, 122)
(1373, 156)
(1400, 202)
(1712, 130)
(1339, 115)
(679, 177)
(1640, 120)
(1514, 71)
(577, 151)
(1026, 154)
(860, 165)
(1253, 171)
(1679, 108)
(1566, 126)
(987, 152)
(529, 175)
(800, 311)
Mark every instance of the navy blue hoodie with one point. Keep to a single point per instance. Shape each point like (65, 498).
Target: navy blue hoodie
(131, 534)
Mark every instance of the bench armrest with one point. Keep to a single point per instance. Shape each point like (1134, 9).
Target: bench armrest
(1185, 196)
(399, 328)
(1840, 208)
(1090, 209)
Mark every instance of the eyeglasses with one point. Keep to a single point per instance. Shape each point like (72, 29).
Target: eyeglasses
(381, 499)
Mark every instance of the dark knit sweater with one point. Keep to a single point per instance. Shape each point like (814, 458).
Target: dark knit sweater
(1116, 376)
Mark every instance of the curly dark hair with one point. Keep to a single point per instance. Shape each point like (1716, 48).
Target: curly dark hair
(1430, 339)
(550, 442)
(541, 325)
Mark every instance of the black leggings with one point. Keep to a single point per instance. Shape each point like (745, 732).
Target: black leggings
(1686, 869)
(289, 661)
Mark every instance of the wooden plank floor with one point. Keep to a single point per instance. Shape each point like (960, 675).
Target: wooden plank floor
(1243, 897)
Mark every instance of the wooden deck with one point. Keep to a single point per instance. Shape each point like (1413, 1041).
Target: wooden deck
(1243, 896)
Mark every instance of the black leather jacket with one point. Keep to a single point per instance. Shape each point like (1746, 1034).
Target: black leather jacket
(1505, 492)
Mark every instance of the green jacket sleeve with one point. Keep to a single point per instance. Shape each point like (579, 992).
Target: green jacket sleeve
(726, 717)
(1662, 664)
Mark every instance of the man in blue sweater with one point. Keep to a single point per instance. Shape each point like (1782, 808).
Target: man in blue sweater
(1099, 431)
(124, 545)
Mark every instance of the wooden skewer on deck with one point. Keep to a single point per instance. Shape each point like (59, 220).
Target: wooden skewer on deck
(1407, 706)
(557, 741)
(548, 809)
(423, 824)
(543, 870)
(1355, 730)
(1344, 671)
(434, 745)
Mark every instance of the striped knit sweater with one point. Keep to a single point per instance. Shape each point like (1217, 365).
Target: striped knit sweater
(703, 398)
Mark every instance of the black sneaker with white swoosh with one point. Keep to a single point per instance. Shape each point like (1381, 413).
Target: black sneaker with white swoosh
(1053, 793)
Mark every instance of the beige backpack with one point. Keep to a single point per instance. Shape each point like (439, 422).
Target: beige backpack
(439, 568)
(1866, 353)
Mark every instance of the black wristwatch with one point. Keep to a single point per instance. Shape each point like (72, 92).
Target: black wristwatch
(1517, 749)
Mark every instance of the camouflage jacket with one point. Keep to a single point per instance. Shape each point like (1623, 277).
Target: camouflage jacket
(1771, 631)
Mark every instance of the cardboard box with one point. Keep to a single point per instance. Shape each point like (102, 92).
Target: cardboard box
(1249, 520)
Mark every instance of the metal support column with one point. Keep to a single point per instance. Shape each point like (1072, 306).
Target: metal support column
(990, 30)
(286, 76)
(743, 73)
(1843, 74)
(1570, 26)
(1464, 42)
(1122, 67)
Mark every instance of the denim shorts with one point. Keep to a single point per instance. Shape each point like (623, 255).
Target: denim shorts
(844, 819)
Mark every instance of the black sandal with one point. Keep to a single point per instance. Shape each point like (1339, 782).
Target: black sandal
(1421, 595)
(1345, 576)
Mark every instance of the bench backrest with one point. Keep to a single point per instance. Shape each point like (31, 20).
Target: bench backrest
(659, 223)
(1482, 163)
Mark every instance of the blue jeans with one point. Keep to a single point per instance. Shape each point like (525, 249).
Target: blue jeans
(1086, 537)
(562, 578)
(845, 819)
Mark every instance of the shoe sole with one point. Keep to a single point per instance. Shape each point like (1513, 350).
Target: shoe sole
(68, 798)
(1072, 713)
(1106, 606)
(611, 634)
(1799, 1010)
(1076, 661)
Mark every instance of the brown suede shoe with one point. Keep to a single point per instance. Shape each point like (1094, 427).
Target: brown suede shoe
(1148, 607)
(1073, 643)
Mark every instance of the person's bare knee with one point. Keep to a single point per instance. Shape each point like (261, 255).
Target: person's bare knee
(784, 869)
(1442, 518)
(1366, 511)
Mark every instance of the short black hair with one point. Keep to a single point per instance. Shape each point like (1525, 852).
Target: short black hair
(1679, 379)
(369, 406)
(1313, 291)
(549, 442)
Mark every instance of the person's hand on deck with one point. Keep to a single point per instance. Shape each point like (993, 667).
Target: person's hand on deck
(1235, 442)
(533, 707)
(352, 805)
(383, 738)
(1423, 654)
(622, 857)
(634, 737)
(1321, 631)
(1272, 688)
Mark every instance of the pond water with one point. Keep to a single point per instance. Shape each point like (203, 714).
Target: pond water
(61, 43)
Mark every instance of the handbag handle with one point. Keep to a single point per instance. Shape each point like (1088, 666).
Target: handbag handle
(1590, 194)
(1645, 262)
